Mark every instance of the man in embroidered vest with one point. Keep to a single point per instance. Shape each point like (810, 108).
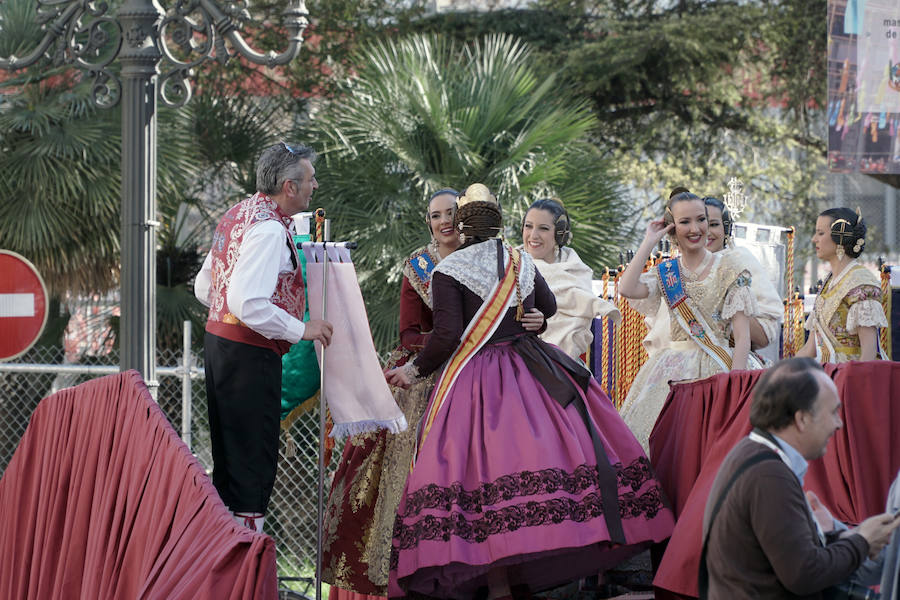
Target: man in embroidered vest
(253, 286)
(763, 540)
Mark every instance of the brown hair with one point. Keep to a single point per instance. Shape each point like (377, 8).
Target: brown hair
(784, 389)
(479, 221)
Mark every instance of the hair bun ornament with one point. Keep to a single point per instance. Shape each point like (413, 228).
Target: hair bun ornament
(857, 248)
(477, 192)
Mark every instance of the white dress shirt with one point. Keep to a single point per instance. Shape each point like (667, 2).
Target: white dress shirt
(263, 255)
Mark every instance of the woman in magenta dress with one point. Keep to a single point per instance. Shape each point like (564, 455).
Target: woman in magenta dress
(369, 481)
(525, 476)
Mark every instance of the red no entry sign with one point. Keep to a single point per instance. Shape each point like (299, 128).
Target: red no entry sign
(23, 305)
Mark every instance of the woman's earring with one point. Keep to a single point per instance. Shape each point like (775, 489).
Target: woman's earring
(839, 251)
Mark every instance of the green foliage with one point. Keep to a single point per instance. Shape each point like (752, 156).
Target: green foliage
(59, 185)
(425, 113)
(19, 27)
(710, 90)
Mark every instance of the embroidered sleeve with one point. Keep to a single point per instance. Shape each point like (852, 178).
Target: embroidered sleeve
(740, 298)
(865, 313)
(650, 304)
(411, 371)
(865, 308)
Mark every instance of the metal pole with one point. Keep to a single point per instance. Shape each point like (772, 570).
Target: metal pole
(322, 405)
(186, 360)
(139, 59)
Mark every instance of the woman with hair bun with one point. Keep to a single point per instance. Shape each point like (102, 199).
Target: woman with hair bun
(844, 322)
(546, 233)
(525, 477)
(710, 303)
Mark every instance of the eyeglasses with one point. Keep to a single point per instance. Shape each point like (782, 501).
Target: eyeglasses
(291, 149)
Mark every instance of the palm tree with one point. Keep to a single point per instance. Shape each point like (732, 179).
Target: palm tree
(424, 113)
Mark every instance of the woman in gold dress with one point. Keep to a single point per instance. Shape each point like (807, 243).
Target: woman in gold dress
(844, 322)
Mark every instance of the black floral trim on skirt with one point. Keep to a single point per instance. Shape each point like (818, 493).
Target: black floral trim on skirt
(632, 504)
(524, 483)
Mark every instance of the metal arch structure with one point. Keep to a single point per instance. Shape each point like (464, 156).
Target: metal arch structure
(84, 34)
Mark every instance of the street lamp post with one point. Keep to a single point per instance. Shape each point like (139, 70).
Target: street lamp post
(81, 33)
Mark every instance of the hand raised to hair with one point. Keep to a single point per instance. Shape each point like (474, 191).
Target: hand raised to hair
(657, 230)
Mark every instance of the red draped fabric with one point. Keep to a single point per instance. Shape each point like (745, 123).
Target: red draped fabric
(336, 593)
(702, 420)
(102, 500)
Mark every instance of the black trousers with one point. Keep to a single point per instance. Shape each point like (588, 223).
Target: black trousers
(243, 389)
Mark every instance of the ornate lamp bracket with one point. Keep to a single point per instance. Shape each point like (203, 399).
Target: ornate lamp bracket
(83, 34)
(195, 31)
(78, 33)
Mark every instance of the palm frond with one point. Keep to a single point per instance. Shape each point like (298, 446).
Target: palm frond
(424, 113)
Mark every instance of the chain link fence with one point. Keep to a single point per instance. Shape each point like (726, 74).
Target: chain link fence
(291, 519)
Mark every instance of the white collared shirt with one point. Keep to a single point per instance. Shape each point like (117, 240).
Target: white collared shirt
(263, 255)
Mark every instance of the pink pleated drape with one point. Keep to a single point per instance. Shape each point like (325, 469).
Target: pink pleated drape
(103, 500)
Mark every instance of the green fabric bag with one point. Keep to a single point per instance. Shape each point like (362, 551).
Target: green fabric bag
(299, 367)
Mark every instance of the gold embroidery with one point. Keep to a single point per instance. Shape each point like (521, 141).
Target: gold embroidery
(395, 468)
(367, 477)
(415, 281)
(342, 573)
(832, 308)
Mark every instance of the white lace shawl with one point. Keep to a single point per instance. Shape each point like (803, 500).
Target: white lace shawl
(476, 268)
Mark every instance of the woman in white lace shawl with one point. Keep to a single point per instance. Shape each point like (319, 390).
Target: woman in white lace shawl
(546, 233)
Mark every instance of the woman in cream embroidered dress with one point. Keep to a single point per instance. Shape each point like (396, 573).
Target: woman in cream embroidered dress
(717, 286)
(844, 322)
(546, 231)
(765, 329)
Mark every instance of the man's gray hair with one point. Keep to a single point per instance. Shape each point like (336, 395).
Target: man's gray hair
(278, 163)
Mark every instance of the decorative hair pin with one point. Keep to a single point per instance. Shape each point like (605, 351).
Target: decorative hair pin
(477, 192)
(735, 199)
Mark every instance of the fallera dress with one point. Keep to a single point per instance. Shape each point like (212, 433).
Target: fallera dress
(523, 466)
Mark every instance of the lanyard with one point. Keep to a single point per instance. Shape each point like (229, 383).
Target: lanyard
(784, 457)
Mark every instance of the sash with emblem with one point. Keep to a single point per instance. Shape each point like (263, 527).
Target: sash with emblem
(687, 317)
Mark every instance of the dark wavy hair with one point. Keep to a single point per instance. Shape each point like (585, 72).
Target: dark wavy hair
(850, 239)
(784, 389)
